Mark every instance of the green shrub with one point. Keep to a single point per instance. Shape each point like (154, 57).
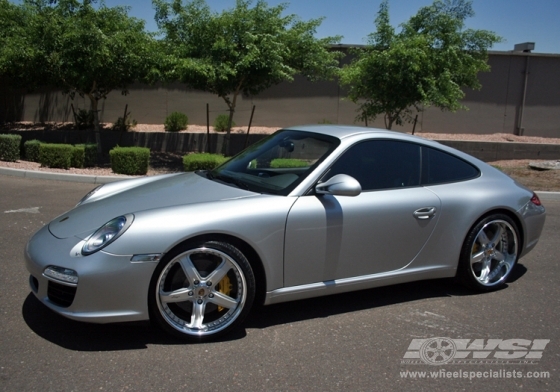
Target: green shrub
(85, 155)
(31, 150)
(90, 154)
(202, 161)
(176, 122)
(287, 163)
(56, 155)
(221, 123)
(78, 156)
(130, 160)
(9, 147)
(84, 119)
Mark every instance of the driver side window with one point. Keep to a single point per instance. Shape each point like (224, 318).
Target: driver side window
(380, 164)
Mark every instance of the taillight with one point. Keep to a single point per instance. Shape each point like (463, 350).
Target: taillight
(535, 200)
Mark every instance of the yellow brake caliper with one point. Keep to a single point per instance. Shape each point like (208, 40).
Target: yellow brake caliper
(225, 288)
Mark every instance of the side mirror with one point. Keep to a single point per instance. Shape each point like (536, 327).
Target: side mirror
(339, 185)
(288, 145)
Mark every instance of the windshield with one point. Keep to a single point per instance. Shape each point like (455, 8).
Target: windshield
(276, 164)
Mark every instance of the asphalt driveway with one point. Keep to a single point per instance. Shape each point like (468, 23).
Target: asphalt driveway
(354, 341)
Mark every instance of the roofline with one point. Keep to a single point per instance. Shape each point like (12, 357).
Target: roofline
(490, 52)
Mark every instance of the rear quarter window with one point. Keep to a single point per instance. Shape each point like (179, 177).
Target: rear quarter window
(439, 167)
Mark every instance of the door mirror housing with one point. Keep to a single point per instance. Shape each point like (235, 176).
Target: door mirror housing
(339, 185)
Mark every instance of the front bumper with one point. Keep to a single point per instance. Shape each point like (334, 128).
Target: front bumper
(110, 288)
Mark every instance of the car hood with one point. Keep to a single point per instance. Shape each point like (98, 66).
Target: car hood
(140, 195)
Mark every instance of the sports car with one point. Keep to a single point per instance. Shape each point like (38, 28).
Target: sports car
(307, 211)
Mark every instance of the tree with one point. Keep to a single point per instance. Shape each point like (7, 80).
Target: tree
(244, 50)
(82, 49)
(427, 63)
(17, 57)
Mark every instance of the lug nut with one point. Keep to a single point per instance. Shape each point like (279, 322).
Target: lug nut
(199, 302)
(208, 284)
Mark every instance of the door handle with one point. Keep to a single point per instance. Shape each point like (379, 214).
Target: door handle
(425, 213)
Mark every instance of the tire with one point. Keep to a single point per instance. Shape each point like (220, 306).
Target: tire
(489, 253)
(201, 291)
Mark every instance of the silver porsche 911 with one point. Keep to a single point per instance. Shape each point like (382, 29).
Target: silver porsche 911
(306, 212)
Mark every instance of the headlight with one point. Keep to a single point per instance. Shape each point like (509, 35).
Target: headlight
(107, 233)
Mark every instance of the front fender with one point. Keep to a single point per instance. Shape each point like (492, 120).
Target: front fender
(260, 221)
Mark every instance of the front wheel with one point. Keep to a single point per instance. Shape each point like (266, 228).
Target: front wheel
(201, 291)
(489, 253)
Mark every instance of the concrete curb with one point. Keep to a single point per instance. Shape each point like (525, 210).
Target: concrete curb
(543, 195)
(61, 176)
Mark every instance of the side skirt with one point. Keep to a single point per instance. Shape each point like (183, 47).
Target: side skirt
(338, 286)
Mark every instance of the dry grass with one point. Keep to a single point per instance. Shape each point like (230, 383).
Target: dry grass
(541, 180)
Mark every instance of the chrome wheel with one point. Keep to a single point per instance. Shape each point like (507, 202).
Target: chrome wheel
(203, 291)
(490, 253)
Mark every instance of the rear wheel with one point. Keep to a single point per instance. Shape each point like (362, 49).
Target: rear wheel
(201, 291)
(489, 253)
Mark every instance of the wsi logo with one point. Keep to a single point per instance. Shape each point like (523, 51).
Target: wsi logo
(440, 351)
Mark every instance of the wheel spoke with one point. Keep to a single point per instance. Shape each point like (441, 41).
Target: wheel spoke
(189, 269)
(477, 258)
(223, 300)
(180, 295)
(197, 317)
(498, 234)
(218, 274)
(484, 271)
(482, 238)
(499, 256)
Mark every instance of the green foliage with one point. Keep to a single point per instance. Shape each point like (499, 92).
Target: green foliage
(221, 123)
(84, 119)
(9, 147)
(176, 122)
(90, 154)
(56, 155)
(427, 63)
(78, 156)
(287, 163)
(17, 58)
(202, 161)
(82, 47)
(130, 160)
(31, 150)
(244, 50)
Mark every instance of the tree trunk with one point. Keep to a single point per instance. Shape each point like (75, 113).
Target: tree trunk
(96, 128)
(230, 121)
(231, 106)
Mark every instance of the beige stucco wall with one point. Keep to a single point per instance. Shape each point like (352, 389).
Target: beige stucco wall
(495, 108)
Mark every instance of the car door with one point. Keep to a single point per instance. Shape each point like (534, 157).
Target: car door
(381, 230)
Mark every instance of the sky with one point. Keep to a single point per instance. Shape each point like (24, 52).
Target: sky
(516, 21)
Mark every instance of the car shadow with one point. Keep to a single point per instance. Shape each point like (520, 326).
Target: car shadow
(79, 336)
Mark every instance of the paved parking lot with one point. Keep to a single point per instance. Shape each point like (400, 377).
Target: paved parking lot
(354, 341)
